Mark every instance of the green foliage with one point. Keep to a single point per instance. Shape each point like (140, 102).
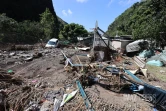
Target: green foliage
(26, 21)
(28, 31)
(24, 32)
(143, 20)
(91, 34)
(49, 25)
(72, 31)
(7, 26)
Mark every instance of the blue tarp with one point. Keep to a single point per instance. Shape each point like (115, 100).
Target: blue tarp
(156, 95)
(146, 53)
(159, 57)
(155, 63)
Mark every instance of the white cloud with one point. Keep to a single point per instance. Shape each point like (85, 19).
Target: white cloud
(128, 2)
(81, 1)
(70, 12)
(67, 12)
(64, 12)
(110, 2)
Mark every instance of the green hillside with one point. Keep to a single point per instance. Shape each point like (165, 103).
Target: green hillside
(28, 21)
(144, 19)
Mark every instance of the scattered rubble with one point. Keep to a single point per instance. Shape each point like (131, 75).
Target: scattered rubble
(35, 85)
(39, 79)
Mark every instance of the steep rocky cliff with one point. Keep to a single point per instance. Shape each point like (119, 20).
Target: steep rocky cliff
(25, 9)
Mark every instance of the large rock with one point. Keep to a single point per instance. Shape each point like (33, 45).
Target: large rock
(25, 9)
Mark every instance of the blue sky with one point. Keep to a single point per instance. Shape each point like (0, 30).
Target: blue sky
(86, 12)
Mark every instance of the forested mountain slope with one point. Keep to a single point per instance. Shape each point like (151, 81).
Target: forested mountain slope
(28, 21)
(144, 19)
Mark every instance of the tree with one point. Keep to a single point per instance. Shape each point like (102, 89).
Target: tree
(29, 32)
(91, 33)
(49, 24)
(23, 32)
(7, 27)
(144, 20)
(72, 31)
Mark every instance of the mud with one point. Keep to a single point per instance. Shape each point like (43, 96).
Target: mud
(32, 80)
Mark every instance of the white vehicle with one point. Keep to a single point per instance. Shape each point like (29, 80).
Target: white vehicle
(52, 43)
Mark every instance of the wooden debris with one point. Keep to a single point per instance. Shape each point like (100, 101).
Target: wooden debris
(139, 62)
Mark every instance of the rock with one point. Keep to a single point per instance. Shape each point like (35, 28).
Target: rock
(22, 52)
(15, 57)
(38, 75)
(12, 54)
(18, 62)
(29, 59)
(10, 62)
(25, 55)
(48, 68)
(37, 55)
(47, 106)
(46, 51)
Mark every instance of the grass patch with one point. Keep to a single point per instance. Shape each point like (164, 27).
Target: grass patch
(154, 70)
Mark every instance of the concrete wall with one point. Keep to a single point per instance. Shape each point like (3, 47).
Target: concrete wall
(120, 44)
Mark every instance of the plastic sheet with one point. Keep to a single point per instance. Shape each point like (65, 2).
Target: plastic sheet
(155, 63)
(157, 95)
(146, 54)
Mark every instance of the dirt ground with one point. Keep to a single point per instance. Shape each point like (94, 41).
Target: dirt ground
(44, 73)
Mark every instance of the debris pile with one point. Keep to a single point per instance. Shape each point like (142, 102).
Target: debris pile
(97, 78)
